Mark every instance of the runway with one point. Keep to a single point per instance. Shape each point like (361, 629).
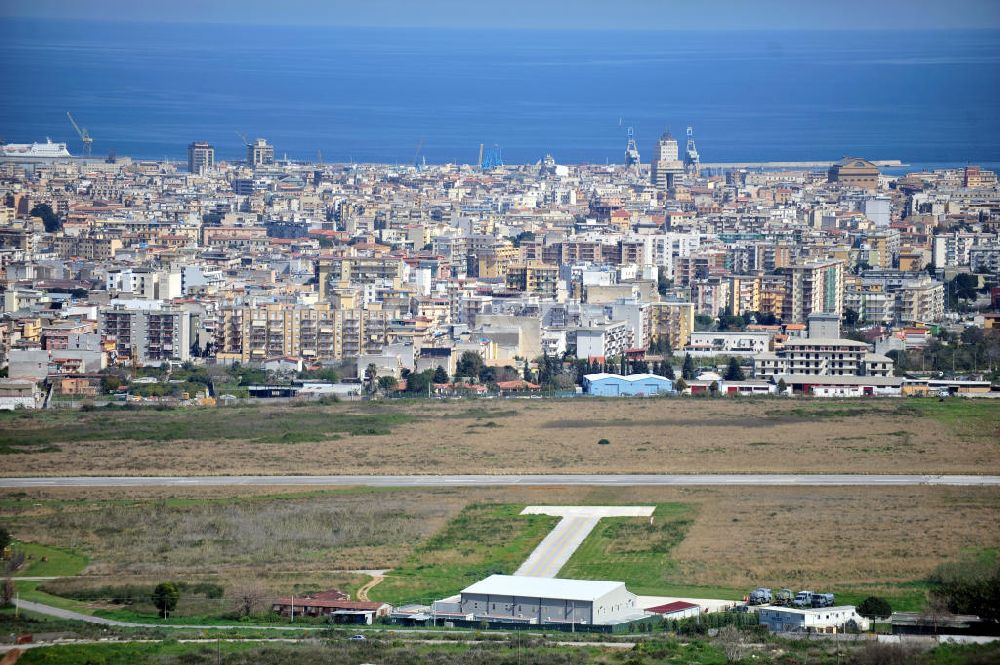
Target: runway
(550, 480)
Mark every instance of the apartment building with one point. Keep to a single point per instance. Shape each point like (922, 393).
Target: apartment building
(318, 332)
(822, 353)
(673, 321)
(534, 277)
(146, 333)
(813, 287)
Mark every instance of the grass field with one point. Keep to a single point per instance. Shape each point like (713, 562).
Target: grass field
(633, 550)
(486, 651)
(665, 435)
(705, 542)
(483, 540)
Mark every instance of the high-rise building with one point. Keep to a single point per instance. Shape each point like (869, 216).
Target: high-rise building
(666, 164)
(812, 288)
(260, 153)
(146, 335)
(201, 157)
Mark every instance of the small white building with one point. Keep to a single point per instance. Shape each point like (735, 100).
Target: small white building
(814, 619)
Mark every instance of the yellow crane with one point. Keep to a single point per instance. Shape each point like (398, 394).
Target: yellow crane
(84, 135)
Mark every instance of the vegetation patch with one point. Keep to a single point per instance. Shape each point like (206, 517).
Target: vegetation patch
(484, 539)
(633, 550)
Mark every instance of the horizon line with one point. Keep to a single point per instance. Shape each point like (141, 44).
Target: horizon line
(500, 28)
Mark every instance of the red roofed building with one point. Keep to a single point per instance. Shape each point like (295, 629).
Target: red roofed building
(333, 604)
(678, 609)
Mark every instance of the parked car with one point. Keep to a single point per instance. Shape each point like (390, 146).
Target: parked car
(822, 600)
(803, 599)
(358, 638)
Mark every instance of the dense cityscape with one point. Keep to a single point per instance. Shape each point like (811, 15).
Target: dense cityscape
(395, 333)
(402, 278)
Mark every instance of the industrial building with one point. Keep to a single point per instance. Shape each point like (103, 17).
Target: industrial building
(543, 600)
(614, 385)
(817, 620)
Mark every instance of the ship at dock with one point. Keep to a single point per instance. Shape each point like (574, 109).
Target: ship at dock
(34, 151)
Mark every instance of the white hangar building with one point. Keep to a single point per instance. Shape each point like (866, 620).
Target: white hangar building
(546, 600)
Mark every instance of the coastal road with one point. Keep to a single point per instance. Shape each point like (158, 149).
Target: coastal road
(551, 480)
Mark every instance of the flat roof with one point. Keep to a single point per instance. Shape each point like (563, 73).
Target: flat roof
(542, 587)
(807, 610)
(824, 341)
(847, 380)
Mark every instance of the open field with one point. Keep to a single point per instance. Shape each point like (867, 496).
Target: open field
(665, 435)
(705, 542)
(505, 650)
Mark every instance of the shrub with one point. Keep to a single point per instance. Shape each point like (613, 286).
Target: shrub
(603, 442)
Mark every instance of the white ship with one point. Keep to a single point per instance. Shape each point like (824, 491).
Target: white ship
(47, 150)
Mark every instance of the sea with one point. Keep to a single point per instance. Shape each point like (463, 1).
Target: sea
(338, 94)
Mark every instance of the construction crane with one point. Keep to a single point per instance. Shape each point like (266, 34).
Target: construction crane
(84, 136)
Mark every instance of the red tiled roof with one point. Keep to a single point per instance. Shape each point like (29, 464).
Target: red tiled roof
(331, 604)
(670, 608)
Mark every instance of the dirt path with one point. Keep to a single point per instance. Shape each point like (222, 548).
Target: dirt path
(363, 591)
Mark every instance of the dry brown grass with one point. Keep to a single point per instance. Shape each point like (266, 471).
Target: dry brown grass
(560, 436)
(867, 540)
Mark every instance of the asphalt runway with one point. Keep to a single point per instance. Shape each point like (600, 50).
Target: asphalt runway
(761, 480)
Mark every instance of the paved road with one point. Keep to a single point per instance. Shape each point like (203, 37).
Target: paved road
(577, 522)
(496, 480)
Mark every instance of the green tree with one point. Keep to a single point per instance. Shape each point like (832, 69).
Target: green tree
(387, 384)
(165, 597)
(470, 364)
(733, 371)
(687, 370)
(49, 217)
(851, 317)
(714, 387)
(680, 385)
(662, 283)
(971, 586)
(667, 369)
(874, 607)
(5, 539)
(440, 375)
(964, 286)
(521, 237)
(782, 386)
(418, 383)
(110, 383)
(370, 378)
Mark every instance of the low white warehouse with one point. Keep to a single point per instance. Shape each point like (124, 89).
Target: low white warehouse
(545, 600)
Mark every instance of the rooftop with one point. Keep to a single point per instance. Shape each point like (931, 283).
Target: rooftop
(543, 587)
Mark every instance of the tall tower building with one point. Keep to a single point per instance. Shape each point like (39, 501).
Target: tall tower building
(201, 157)
(260, 153)
(666, 164)
(631, 151)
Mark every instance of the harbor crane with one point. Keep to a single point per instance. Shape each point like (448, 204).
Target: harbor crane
(84, 135)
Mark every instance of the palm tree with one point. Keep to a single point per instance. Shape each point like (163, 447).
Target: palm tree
(371, 374)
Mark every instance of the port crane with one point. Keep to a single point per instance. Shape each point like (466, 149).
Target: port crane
(84, 135)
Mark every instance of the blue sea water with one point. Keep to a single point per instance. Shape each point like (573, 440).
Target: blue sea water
(147, 90)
